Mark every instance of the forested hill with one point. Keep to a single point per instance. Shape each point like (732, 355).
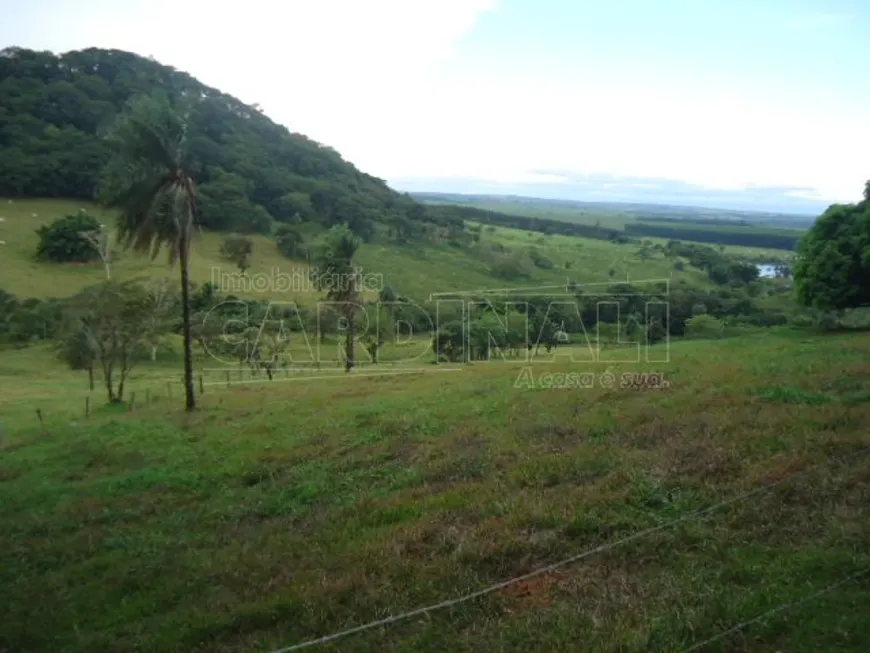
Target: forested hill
(250, 170)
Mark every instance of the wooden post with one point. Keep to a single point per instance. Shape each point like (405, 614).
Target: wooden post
(228, 379)
(132, 401)
(201, 387)
(169, 389)
(147, 396)
(88, 406)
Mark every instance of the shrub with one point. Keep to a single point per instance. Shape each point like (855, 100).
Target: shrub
(540, 261)
(62, 241)
(509, 269)
(704, 326)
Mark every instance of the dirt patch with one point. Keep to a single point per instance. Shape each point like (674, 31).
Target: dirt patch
(537, 590)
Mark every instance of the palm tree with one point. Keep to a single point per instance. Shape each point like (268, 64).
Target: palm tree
(333, 270)
(149, 183)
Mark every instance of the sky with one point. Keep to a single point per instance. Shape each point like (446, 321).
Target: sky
(760, 103)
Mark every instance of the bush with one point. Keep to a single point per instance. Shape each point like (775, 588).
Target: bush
(704, 326)
(509, 269)
(540, 261)
(62, 242)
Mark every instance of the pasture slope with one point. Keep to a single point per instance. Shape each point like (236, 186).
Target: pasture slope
(281, 512)
(407, 268)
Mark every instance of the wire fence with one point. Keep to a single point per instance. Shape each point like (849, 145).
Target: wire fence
(698, 514)
(780, 608)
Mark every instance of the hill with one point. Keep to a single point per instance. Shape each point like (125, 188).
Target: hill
(250, 171)
(413, 269)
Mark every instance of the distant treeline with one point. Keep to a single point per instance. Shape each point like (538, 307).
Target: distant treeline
(745, 236)
(449, 213)
(701, 221)
(717, 231)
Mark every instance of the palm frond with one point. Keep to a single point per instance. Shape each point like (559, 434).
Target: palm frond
(155, 196)
(151, 146)
(139, 208)
(182, 217)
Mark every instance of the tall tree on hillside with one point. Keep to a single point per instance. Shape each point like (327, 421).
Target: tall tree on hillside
(149, 182)
(832, 272)
(334, 272)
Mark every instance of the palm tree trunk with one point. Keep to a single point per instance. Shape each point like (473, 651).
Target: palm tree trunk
(189, 396)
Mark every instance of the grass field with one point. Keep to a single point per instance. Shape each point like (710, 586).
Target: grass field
(413, 271)
(284, 511)
(614, 214)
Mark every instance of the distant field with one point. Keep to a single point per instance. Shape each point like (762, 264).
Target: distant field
(614, 214)
(707, 226)
(615, 219)
(415, 271)
(740, 235)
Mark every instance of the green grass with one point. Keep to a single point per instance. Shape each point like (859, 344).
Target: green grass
(415, 271)
(284, 511)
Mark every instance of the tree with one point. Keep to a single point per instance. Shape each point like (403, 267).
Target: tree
(102, 242)
(655, 331)
(644, 253)
(450, 341)
(75, 349)
(289, 241)
(380, 329)
(267, 346)
(223, 204)
(388, 297)
(149, 183)
(334, 272)
(62, 242)
(833, 259)
(159, 312)
(238, 250)
(108, 326)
